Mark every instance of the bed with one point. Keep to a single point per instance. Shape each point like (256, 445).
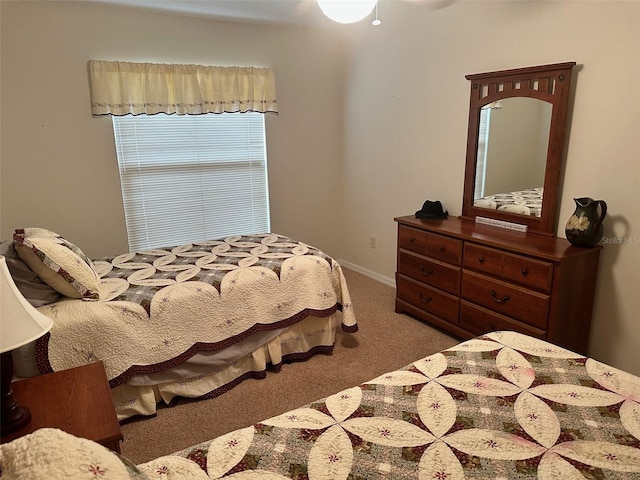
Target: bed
(184, 321)
(524, 202)
(500, 406)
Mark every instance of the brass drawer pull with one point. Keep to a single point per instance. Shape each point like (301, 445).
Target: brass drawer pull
(481, 259)
(502, 300)
(426, 273)
(425, 300)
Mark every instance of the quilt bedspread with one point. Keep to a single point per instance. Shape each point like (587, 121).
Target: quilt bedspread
(159, 307)
(500, 406)
(525, 202)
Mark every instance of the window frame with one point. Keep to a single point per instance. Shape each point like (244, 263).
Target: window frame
(146, 166)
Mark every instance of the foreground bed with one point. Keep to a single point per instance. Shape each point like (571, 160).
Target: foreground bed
(185, 321)
(500, 406)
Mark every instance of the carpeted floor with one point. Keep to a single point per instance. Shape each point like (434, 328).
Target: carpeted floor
(385, 341)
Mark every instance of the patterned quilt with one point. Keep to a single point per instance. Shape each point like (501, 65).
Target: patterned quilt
(500, 406)
(157, 308)
(525, 202)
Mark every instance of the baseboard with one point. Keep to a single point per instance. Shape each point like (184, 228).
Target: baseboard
(369, 273)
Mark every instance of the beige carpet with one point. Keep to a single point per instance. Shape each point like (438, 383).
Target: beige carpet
(385, 341)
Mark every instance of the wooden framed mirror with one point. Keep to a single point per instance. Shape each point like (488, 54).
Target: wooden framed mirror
(515, 145)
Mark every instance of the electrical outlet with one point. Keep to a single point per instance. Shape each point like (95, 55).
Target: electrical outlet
(372, 242)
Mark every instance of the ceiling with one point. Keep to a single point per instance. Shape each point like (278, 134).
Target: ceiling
(304, 12)
(301, 12)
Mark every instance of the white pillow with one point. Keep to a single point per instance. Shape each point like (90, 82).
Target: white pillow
(51, 454)
(32, 288)
(58, 262)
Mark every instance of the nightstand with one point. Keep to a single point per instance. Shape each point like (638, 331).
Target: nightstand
(76, 400)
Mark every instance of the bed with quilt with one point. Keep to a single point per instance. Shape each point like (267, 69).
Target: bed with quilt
(500, 406)
(184, 321)
(524, 202)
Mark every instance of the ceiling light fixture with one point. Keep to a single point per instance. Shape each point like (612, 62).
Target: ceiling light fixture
(346, 11)
(376, 22)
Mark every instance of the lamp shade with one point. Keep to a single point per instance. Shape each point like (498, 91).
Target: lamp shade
(346, 11)
(20, 322)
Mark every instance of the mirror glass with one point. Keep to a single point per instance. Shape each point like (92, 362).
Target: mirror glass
(515, 145)
(513, 137)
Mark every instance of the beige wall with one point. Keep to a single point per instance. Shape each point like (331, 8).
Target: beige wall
(59, 167)
(406, 120)
(383, 129)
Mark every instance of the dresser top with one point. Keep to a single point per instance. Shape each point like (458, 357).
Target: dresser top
(542, 246)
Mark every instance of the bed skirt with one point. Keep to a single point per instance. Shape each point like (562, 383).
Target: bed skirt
(299, 342)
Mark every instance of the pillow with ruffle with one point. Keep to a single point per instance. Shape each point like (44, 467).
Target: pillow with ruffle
(58, 262)
(32, 288)
(51, 454)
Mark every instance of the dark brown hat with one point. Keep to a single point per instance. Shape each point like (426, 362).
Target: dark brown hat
(431, 211)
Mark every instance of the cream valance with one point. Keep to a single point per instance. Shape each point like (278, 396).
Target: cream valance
(120, 88)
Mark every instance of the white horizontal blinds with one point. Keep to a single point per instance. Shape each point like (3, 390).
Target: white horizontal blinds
(188, 178)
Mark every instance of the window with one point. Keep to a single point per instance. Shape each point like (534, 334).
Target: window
(188, 178)
(483, 148)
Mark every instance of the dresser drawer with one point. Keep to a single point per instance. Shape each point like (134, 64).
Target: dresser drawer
(529, 272)
(445, 249)
(478, 321)
(429, 299)
(525, 305)
(441, 275)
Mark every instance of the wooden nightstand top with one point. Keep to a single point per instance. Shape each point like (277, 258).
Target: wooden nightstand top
(76, 400)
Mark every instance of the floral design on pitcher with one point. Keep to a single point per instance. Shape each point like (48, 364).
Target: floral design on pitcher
(578, 223)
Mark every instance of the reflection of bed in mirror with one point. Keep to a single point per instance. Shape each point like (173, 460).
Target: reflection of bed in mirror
(523, 202)
(512, 147)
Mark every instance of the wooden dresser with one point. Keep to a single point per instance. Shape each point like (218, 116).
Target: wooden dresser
(471, 279)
